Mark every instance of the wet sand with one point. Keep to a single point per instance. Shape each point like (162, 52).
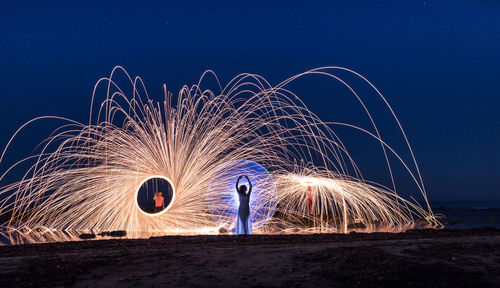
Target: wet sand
(417, 258)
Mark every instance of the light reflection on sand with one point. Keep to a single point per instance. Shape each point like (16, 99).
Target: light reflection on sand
(19, 236)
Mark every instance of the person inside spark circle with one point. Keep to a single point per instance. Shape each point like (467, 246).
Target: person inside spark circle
(243, 224)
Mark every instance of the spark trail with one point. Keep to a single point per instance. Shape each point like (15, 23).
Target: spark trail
(85, 176)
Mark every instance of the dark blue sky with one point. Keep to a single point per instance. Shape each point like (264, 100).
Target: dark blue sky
(436, 62)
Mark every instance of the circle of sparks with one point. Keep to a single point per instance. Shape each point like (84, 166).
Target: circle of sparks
(169, 204)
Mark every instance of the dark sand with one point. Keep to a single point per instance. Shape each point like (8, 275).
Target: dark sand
(418, 258)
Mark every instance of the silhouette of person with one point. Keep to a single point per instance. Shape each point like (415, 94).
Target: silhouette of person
(159, 202)
(243, 224)
(309, 200)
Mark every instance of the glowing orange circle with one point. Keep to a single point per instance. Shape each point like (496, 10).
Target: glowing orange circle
(169, 204)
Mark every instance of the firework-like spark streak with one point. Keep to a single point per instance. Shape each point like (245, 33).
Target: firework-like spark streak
(86, 176)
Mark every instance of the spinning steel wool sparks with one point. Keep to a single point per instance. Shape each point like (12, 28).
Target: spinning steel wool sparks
(86, 177)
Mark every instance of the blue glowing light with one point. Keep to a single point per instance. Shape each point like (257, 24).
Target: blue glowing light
(223, 199)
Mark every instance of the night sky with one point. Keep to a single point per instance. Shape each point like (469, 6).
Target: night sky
(437, 62)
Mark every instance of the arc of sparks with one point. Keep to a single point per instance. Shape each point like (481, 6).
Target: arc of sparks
(86, 177)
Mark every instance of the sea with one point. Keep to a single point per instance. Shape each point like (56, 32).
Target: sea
(467, 214)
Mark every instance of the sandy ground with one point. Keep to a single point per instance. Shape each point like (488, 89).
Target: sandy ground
(419, 258)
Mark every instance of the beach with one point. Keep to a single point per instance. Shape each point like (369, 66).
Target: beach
(416, 258)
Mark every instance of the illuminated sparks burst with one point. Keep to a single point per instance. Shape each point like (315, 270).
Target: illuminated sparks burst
(85, 178)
